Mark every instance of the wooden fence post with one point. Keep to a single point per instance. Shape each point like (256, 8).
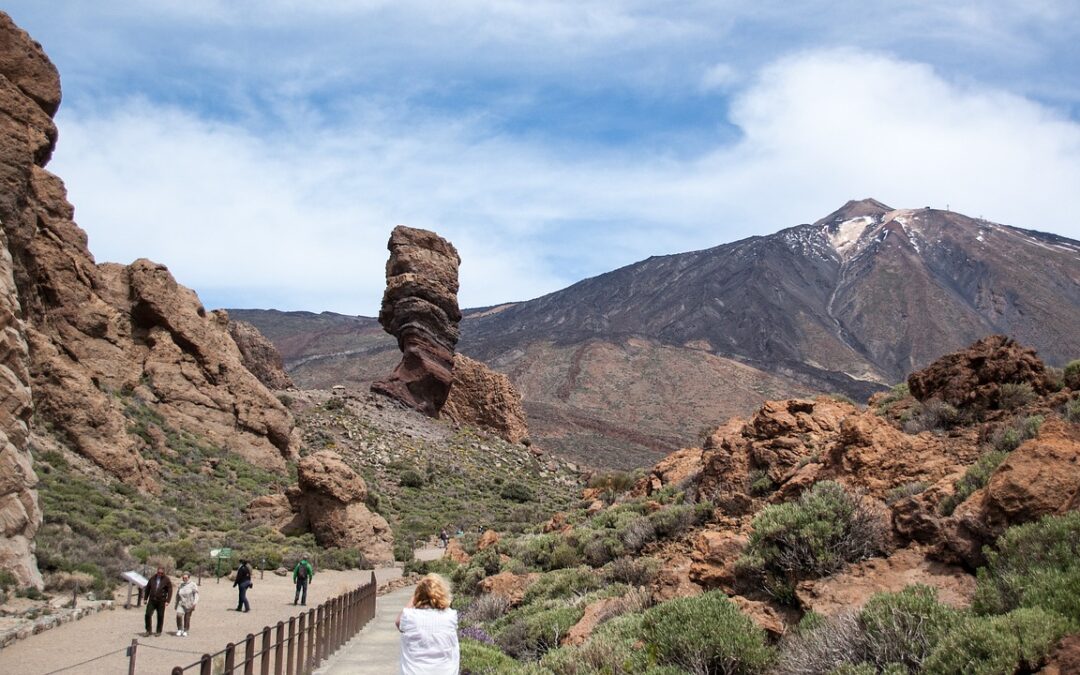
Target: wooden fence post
(249, 655)
(279, 650)
(230, 658)
(301, 661)
(264, 656)
(132, 650)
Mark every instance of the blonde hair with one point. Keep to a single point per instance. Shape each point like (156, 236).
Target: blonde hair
(432, 593)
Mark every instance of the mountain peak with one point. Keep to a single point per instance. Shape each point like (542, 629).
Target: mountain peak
(868, 207)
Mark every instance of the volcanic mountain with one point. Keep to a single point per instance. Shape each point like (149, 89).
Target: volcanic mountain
(620, 367)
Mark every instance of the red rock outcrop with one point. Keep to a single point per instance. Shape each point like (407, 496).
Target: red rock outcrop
(481, 397)
(259, 355)
(972, 378)
(329, 499)
(1065, 659)
(420, 309)
(108, 338)
(509, 585)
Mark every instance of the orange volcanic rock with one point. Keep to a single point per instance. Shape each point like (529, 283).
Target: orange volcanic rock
(481, 397)
(259, 355)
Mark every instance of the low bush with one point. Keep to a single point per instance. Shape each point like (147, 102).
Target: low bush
(486, 607)
(821, 646)
(898, 393)
(904, 627)
(983, 645)
(637, 534)
(976, 477)
(931, 415)
(563, 583)
(705, 634)
(1013, 395)
(334, 403)
(631, 571)
(904, 491)
(516, 492)
(1009, 438)
(481, 659)
(1033, 565)
(759, 484)
(1070, 376)
(1071, 410)
(411, 478)
(404, 551)
(812, 537)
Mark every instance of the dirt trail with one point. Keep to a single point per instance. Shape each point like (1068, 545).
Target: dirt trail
(213, 625)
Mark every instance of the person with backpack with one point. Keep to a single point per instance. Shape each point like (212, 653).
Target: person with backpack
(302, 576)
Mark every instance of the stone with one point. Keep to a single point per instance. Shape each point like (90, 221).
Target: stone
(483, 398)
(972, 378)
(488, 539)
(420, 309)
(454, 551)
(509, 585)
(329, 500)
(714, 558)
(1065, 658)
(259, 355)
(595, 613)
(765, 616)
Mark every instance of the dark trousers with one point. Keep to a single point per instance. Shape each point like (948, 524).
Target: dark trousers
(242, 603)
(183, 621)
(151, 607)
(301, 592)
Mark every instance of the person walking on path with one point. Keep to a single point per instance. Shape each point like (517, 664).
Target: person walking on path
(158, 592)
(444, 537)
(429, 641)
(187, 596)
(243, 582)
(302, 575)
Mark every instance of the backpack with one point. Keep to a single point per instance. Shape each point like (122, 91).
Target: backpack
(302, 572)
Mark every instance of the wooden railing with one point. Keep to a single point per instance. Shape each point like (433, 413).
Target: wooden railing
(297, 647)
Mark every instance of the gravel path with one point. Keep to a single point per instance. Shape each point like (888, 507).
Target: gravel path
(213, 624)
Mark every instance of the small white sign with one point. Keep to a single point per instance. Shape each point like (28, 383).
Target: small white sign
(131, 576)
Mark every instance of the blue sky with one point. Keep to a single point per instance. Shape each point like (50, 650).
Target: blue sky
(264, 150)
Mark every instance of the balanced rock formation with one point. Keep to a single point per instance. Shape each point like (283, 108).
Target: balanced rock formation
(329, 499)
(973, 377)
(108, 339)
(259, 355)
(481, 397)
(420, 309)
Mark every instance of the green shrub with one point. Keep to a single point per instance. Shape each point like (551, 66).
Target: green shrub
(1014, 395)
(411, 478)
(631, 571)
(404, 550)
(1071, 375)
(810, 538)
(1034, 565)
(563, 584)
(997, 644)
(516, 492)
(976, 477)
(481, 659)
(904, 491)
(759, 483)
(904, 627)
(930, 415)
(820, 645)
(1071, 410)
(613, 481)
(334, 403)
(898, 393)
(705, 634)
(1007, 439)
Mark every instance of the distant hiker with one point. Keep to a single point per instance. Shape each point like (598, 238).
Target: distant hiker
(243, 582)
(302, 575)
(187, 596)
(158, 592)
(429, 640)
(444, 537)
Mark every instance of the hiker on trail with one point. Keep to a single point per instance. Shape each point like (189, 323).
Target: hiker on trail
(444, 537)
(429, 640)
(302, 575)
(187, 596)
(158, 592)
(243, 582)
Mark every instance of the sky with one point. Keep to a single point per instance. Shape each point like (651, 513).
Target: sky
(264, 150)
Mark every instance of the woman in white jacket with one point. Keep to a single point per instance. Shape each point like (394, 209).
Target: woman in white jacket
(187, 596)
(429, 640)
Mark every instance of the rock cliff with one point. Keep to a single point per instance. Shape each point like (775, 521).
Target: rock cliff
(481, 397)
(420, 309)
(259, 355)
(89, 346)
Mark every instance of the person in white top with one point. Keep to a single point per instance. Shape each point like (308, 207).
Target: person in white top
(429, 640)
(187, 596)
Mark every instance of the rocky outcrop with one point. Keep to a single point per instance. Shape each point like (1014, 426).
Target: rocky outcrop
(420, 309)
(329, 500)
(20, 515)
(481, 397)
(107, 343)
(972, 378)
(259, 355)
(509, 585)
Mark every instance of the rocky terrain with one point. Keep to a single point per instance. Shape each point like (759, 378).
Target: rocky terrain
(674, 344)
(824, 537)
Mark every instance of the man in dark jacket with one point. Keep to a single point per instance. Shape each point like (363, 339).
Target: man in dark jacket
(243, 582)
(158, 592)
(302, 574)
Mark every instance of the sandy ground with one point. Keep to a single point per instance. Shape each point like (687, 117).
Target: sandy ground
(213, 624)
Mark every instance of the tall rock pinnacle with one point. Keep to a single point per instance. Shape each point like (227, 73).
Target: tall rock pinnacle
(420, 309)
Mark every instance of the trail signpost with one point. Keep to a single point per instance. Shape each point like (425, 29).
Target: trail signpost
(217, 555)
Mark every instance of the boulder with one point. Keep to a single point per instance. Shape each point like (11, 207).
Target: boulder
(420, 309)
(259, 355)
(488, 539)
(767, 616)
(454, 551)
(483, 398)
(595, 613)
(1040, 477)
(972, 378)
(714, 558)
(509, 585)
(329, 499)
(850, 589)
(673, 580)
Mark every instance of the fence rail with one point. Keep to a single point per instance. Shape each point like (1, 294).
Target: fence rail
(297, 647)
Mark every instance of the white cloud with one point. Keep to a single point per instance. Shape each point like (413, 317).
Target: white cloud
(719, 76)
(299, 218)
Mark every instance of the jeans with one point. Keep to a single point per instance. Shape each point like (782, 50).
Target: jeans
(242, 604)
(151, 607)
(301, 592)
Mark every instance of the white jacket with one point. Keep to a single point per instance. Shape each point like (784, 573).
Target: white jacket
(187, 596)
